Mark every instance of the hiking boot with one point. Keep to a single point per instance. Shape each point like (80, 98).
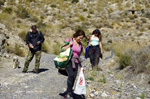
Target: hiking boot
(35, 72)
(24, 71)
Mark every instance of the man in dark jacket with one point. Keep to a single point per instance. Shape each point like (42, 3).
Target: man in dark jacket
(34, 39)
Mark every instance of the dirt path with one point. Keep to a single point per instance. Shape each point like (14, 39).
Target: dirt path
(45, 85)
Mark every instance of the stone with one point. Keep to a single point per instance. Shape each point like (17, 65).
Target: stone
(96, 93)
(92, 95)
(137, 98)
(104, 95)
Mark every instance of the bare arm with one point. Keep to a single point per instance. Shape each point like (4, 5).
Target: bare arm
(100, 45)
(65, 46)
(90, 41)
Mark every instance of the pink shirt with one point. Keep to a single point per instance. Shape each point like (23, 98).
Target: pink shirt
(76, 49)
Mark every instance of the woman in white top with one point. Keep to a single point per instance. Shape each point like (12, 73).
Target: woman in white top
(95, 48)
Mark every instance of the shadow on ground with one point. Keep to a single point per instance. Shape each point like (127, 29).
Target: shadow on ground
(62, 72)
(43, 70)
(75, 96)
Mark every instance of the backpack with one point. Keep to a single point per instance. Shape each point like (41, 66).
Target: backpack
(31, 31)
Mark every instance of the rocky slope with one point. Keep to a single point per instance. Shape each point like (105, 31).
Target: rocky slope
(106, 84)
(57, 21)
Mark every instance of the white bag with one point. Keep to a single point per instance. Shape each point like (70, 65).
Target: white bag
(80, 87)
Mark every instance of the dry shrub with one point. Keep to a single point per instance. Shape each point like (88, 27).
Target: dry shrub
(140, 59)
(131, 53)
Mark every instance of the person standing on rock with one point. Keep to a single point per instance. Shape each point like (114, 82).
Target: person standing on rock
(95, 48)
(34, 39)
(73, 64)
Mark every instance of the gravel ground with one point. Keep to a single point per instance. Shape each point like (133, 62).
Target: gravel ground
(49, 83)
(45, 85)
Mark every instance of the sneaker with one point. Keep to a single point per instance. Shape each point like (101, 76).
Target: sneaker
(63, 94)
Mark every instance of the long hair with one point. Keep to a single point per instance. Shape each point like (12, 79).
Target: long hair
(98, 33)
(79, 33)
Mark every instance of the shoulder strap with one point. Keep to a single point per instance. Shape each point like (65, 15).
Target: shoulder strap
(38, 33)
(30, 34)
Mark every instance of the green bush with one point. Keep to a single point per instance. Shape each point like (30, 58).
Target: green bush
(34, 19)
(91, 11)
(75, 1)
(9, 49)
(147, 14)
(53, 6)
(42, 27)
(77, 27)
(90, 78)
(7, 10)
(124, 61)
(22, 35)
(22, 12)
(31, 0)
(18, 51)
(103, 80)
(44, 47)
(85, 9)
(142, 96)
(89, 16)
(81, 18)
(19, 21)
(2, 2)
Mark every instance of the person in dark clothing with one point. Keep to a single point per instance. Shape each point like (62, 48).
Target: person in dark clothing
(34, 39)
(95, 48)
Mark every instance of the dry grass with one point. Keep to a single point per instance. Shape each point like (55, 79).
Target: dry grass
(132, 53)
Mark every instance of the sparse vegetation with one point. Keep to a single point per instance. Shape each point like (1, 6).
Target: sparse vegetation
(90, 78)
(18, 51)
(142, 96)
(22, 35)
(56, 48)
(103, 79)
(45, 47)
(22, 12)
(2, 2)
(124, 60)
(7, 10)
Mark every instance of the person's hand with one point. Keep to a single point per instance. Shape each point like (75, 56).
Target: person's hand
(102, 52)
(38, 42)
(30, 45)
(89, 44)
(70, 43)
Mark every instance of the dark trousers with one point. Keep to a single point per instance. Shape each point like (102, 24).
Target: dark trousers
(72, 73)
(94, 54)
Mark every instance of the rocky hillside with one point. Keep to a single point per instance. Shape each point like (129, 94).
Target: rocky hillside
(118, 20)
(125, 27)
